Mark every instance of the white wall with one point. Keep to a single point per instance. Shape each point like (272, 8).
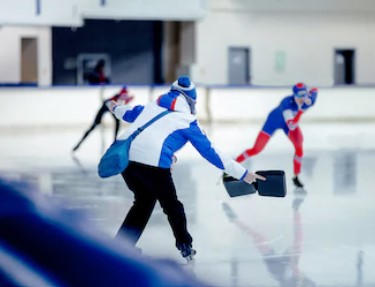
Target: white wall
(307, 39)
(72, 12)
(56, 107)
(51, 12)
(337, 6)
(144, 10)
(77, 106)
(254, 104)
(10, 53)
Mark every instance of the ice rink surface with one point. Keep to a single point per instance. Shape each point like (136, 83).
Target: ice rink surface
(324, 237)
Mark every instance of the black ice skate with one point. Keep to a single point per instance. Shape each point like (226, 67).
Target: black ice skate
(297, 182)
(187, 251)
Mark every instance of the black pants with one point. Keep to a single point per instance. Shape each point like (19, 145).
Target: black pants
(150, 184)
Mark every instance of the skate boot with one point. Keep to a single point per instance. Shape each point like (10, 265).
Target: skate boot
(297, 182)
(187, 251)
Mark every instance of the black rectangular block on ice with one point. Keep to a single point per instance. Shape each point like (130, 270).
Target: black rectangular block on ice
(236, 187)
(274, 186)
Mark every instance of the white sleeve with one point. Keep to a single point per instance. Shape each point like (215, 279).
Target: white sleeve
(234, 168)
(119, 111)
(231, 167)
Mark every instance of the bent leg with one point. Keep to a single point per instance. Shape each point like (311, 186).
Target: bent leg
(259, 145)
(97, 120)
(173, 208)
(143, 205)
(85, 135)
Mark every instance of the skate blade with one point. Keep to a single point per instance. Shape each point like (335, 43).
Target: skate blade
(190, 258)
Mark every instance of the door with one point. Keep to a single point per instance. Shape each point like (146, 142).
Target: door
(344, 67)
(29, 60)
(238, 66)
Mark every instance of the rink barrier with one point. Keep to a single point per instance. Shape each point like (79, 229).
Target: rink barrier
(69, 106)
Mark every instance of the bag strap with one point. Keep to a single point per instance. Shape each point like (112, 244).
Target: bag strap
(140, 129)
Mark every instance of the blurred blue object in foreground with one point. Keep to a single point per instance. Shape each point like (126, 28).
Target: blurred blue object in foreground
(42, 246)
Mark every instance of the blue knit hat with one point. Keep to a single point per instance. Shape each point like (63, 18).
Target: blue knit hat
(299, 90)
(185, 86)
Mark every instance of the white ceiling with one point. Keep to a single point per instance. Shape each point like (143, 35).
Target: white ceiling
(338, 6)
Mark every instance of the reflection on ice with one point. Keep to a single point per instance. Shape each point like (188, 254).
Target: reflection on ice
(321, 237)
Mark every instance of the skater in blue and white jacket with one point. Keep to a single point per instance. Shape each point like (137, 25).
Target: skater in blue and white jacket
(152, 154)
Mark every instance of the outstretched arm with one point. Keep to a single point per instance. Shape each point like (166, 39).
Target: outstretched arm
(313, 94)
(292, 122)
(126, 113)
(203, 145)
(309, 101)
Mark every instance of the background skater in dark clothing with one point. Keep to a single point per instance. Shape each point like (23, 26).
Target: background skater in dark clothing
(151, 156)
(97, 76)
(122, 96)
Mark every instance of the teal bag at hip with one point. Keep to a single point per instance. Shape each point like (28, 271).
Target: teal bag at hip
(116, 159)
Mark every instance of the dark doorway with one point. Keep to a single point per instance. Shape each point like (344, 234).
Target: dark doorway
(133, 48)
(29, 60)
(238, 66)
(344, 60)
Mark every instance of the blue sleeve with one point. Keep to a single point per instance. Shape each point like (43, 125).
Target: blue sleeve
(132, 114)
(313, 98)
(203, 145)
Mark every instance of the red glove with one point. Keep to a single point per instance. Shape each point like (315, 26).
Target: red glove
(128, 99)
(123, 95)
(313, 91)
(311, 97)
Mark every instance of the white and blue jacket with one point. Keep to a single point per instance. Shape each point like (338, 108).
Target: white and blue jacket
(156, 145)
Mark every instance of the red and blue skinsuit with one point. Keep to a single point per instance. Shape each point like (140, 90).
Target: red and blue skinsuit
(286, 117)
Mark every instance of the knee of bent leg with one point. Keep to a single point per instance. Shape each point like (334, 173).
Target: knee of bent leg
(299, 151)
(171, 206)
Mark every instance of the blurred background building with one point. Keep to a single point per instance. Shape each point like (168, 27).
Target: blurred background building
(222, 42)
